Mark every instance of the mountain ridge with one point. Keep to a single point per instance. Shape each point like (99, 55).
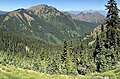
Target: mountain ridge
(46, 23)
(103, 12)
(94, 17)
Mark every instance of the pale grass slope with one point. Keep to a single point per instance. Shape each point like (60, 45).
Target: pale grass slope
(10, 72)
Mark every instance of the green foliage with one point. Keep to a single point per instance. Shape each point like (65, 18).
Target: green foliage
(18, 73)
(84, 55)
(106, 53)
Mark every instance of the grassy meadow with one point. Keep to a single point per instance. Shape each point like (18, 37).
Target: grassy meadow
(10, 72)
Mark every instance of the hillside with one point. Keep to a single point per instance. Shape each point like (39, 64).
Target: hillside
(46, 23)
(42, 40)
(17, 73)
(10, 72)
(14, 43)
(94, 17)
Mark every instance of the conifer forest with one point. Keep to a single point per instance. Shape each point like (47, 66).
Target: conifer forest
(46, 40)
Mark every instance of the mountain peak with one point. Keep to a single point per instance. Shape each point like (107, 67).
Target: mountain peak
(81, 13)
(45, 10)
(44, 5)
(94, 17)
(87, 12)
(41, 7)
(97, 13)
(19, 10)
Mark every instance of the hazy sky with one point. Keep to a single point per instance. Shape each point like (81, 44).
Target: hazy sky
(63, 5)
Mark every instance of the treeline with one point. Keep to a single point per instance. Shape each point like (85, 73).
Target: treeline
(29, 53)
(73, 58)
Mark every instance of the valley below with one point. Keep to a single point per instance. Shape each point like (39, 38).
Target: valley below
(42, 42)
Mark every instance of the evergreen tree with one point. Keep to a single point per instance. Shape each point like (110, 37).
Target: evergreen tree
(105, 51)
(112, 23)
(64, 55)
(97, 48)
(112, 34)
(102, 28)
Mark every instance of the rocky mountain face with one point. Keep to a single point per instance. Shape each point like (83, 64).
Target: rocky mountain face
(72, 12)
(44, 22)
(93, 17)
(103, 12)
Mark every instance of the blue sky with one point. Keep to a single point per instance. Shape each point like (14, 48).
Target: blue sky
(63, 5)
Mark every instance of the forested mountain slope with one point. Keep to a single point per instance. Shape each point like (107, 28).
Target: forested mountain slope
(46, 23)
(98, 51)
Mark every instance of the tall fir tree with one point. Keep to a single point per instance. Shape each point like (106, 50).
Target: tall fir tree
(105, 52)
(112, 23)
(97, 48)
(64, 55)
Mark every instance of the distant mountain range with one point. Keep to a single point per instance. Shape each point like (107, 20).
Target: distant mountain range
(46, 23)
(3, 12)
(103, 12)
(93, 17)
